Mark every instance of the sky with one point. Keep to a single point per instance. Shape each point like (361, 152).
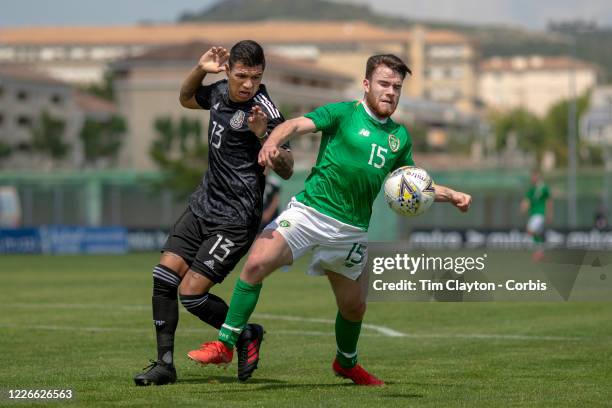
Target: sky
(527, 13)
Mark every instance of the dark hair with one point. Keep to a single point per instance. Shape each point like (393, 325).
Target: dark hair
(390, 61)
(249, 53)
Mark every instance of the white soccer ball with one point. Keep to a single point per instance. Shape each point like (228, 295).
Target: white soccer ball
(409, 191)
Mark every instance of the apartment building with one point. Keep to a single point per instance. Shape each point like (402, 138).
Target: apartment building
(443, 62)
(533, 82)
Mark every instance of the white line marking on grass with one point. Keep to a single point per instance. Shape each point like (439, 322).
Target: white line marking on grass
(86, 306)
(385, 331)
(48, 327)
(292, 333)
(381, 331)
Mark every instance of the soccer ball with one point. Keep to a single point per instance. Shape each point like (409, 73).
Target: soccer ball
(409, 191)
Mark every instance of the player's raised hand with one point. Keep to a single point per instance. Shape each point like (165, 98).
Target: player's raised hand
(462, 201)
(213, 61)
(258, 121)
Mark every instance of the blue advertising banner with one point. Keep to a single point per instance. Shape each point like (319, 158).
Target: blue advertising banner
(84, 240)
(20, 241)
(146, 240)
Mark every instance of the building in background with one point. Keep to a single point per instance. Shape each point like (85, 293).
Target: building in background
(444, 67)
(26, 98)
(596, 123)
(147, 88)
(596, 130)
(534, 83)
(443, 62)
(316, 60)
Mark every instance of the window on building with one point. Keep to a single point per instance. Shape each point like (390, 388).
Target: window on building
(23, 147)
(57, 99)
(24, 121)
(443, 94)
(447, 51)
(436, 73)
(22, 95)
(456, 72)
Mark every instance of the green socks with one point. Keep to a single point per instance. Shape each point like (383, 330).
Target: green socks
(242, 305)
(347, 335)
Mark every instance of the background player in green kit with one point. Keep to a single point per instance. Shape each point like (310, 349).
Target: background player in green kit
(537, 201)
(330, 218)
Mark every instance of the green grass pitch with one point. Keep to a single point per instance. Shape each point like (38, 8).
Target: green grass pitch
(84, 323)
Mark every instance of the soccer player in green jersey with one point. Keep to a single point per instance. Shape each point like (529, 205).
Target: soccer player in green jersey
(361, 144)
(537, 201)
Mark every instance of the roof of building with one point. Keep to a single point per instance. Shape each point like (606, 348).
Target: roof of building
(93, 104)
(190, 52)
(534, 63)
(279, 32)
(24, 73)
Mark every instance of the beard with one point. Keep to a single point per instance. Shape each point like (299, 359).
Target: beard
(381, 110)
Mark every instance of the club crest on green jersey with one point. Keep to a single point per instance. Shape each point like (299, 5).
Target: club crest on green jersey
(394, 143)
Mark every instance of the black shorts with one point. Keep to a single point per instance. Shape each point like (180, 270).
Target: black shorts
(210, 249)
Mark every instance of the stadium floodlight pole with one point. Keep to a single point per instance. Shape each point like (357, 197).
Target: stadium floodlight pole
(571, 138)
(607, 143)
(607, 156)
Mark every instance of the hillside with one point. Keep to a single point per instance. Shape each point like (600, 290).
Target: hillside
(253, 10)
(491, 39)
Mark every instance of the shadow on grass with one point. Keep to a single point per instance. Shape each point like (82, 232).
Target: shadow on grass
(268, 384)
(424, 384)
(402, 396)
(227, 379)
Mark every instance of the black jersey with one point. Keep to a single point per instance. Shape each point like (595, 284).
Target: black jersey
(231, 190)
(272, 188)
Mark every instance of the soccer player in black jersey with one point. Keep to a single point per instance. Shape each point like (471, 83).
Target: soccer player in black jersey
(223, 215)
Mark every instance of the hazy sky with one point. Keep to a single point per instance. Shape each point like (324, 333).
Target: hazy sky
(532, 14)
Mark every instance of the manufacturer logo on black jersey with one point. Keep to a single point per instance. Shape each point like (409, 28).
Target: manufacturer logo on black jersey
(237, 120)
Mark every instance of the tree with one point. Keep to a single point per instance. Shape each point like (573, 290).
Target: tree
(556, 125)
(103, 90)
(180, 154)
(528, 128)
(48, 135)
(102, 139)
(5, 150)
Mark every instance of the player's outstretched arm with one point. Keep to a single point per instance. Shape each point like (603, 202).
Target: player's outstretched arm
(213, 61)
(447, 195)
(549, 211)
(271, 149)
(524, 206)
(282, 162)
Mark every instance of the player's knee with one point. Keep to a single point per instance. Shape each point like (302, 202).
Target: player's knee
(255, 270)
(186, 287)
(194, 284)
(188, 302)
(165, 281)
(353, 311)
(174, 262)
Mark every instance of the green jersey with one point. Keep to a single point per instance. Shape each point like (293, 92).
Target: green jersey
(537, 195)
(356, 154)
